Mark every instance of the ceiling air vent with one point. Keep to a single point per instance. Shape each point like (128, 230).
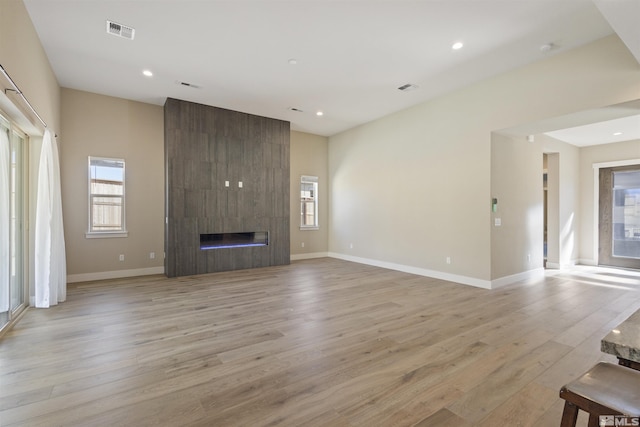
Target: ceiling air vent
(297, 110)
(191, 85)
(408, 87)
(120, 30)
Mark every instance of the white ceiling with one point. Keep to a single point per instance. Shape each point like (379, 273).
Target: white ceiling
(352, 55)
(605, 132)
(604, 125)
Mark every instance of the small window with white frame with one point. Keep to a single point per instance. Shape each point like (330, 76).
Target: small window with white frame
(106, 198)
(308, 202)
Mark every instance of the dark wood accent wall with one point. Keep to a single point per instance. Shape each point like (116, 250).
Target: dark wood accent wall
(204, 147)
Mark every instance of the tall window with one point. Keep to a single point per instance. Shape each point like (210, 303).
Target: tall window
(106, 198)
(309, 202)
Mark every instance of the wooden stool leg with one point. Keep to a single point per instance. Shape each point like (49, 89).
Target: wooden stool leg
(594, 420)
(569, 415)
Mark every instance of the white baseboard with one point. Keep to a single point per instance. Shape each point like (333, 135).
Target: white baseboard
(118, 274)
(590, 262)
(557, 266)
(535, 274)
(297, 257)
(465, 280)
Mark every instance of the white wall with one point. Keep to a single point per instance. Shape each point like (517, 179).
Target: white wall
(413, 188)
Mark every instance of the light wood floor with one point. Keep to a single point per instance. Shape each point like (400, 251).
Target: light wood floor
(318, 343)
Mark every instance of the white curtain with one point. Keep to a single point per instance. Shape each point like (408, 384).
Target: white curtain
(5, 213)
(50, 258)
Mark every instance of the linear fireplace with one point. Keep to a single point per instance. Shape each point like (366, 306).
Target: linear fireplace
(227, 190)
(234, 240)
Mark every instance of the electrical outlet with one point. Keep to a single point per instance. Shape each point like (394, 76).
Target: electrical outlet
(121, 257)
(529, 257)
(350, 245)
(152, 255)
(448, 260)
(302, 244)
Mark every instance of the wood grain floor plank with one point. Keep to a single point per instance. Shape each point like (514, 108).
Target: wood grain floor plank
(524, 408)
(320, 342)
(443, 418)
(507, 380)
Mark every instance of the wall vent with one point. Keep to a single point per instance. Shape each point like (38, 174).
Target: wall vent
(120, 30)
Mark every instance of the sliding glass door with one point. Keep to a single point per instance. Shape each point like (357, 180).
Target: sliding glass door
(12, 220)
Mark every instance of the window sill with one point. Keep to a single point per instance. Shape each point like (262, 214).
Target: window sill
(309, 228)
(106, 234)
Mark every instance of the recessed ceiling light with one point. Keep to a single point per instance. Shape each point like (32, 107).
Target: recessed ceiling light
(293, 61)
(457, 46)
(617, 133)
(319, 113)
(147, 73)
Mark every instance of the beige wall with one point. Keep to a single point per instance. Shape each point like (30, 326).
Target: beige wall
(309, 156)
(564, 205)
(23, 57)
(413, 188)
(625, 152)
(134, 131)
(407, 191)
(97, 125)
(553, 209)
(516, 177)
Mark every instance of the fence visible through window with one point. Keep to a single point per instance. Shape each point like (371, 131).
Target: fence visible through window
(106, 195)
(308, 202)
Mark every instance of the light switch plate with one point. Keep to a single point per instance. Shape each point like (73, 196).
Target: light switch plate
(497, 222)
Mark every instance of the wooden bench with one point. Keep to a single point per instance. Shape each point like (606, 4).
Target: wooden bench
(605, 389)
